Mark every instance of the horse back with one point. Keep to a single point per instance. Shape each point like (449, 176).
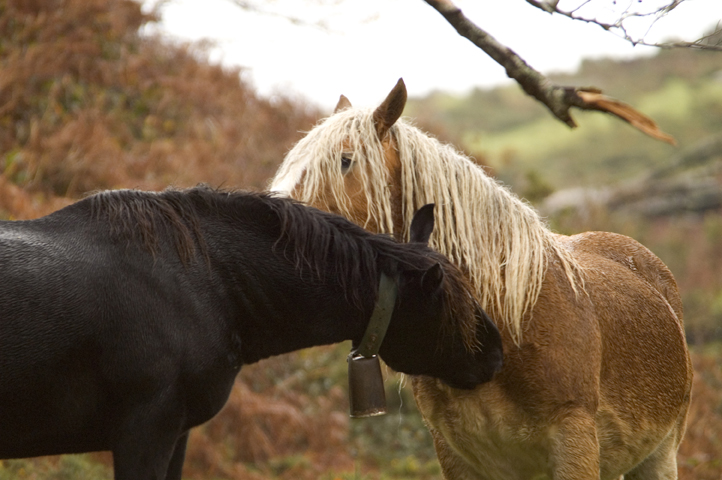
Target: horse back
(631, 254)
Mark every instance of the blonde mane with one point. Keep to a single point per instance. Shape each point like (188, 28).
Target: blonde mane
(498, 240)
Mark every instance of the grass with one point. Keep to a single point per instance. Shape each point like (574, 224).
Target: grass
(65, 467)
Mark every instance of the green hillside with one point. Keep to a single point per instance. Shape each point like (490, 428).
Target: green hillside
(681, 90)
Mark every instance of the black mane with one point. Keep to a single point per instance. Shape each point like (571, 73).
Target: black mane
(321, 242)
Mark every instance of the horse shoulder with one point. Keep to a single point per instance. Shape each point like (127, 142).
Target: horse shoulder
(507, 425)
(560, 330)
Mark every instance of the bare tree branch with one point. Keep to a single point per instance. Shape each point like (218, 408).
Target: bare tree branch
(712, 41)
(309, 15)
(308, 12)
(559, 100)
(251, 6)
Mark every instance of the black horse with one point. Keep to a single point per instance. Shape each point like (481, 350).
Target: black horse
(125, 317)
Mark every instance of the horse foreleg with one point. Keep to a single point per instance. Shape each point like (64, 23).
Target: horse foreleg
(175, 468)
(145, 446)
(575, 448)
(135, 460)
(453, 467)
(660, 465)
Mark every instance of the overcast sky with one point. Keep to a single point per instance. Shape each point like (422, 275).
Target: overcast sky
(369, 44)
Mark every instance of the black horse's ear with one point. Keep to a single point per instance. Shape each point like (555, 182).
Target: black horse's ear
(343, 104)
(390, 109)
(422, 224)
(432, 279)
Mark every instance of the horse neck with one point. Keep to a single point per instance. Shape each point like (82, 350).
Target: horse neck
(496, 238)
(274, 306)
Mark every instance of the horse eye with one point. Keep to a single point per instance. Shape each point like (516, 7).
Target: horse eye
(345, 162)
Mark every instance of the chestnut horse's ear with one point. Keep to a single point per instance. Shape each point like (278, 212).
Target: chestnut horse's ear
(343, 104)
(390, 109)
(422, 224)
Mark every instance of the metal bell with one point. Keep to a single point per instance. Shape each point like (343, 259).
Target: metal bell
(367, 397)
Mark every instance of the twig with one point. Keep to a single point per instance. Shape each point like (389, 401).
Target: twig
(250, 6)
(559, 100)
(617, 28)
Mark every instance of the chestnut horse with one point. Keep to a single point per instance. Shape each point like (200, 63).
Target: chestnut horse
(596, 378)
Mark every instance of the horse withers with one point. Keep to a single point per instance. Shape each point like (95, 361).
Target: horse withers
(597, 377)
(125, 317)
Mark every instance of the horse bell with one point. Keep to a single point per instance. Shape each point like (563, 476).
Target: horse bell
(367, 397)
